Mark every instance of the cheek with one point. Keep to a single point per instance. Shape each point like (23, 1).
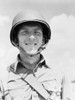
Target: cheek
(21, 40)
(40, 41)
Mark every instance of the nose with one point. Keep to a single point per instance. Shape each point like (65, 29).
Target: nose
(32, 37)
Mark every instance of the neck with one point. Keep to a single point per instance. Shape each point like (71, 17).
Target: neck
(29, 61)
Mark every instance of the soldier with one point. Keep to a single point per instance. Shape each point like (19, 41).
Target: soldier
(30, 78)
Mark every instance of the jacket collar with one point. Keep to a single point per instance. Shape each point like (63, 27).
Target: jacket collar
(40, 63)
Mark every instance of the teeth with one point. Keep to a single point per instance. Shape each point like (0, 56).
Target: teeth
(30, 43)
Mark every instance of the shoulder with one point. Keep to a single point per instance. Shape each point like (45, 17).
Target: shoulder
(55, 72)
(51, 72)
(12, 75)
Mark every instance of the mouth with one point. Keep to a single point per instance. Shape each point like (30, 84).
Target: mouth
(30, 44)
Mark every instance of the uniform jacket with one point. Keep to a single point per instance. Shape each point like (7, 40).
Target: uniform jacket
(54, 81)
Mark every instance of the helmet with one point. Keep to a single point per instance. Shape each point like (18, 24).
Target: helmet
(29, 16)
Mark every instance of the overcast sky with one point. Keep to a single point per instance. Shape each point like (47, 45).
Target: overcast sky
(60, 14)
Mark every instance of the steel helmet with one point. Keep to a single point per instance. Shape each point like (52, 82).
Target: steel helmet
(28, 16)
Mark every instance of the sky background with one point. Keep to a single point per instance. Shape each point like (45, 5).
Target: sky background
(60, 14)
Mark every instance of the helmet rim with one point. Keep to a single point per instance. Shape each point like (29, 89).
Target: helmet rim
(43, 23)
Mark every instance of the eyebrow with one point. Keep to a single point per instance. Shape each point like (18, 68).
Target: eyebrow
(37, 28)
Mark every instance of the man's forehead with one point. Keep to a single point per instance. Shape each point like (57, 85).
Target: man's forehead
(32, 27)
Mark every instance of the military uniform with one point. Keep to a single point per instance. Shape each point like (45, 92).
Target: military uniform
(52, 80)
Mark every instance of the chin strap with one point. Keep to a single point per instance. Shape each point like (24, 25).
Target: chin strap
(38, 51)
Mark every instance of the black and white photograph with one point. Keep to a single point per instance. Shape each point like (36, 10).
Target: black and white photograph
(37, 49)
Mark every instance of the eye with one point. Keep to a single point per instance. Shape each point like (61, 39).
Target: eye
(38, 32)
(23, 32)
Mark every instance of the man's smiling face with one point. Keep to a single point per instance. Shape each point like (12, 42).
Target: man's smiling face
(30, 38)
